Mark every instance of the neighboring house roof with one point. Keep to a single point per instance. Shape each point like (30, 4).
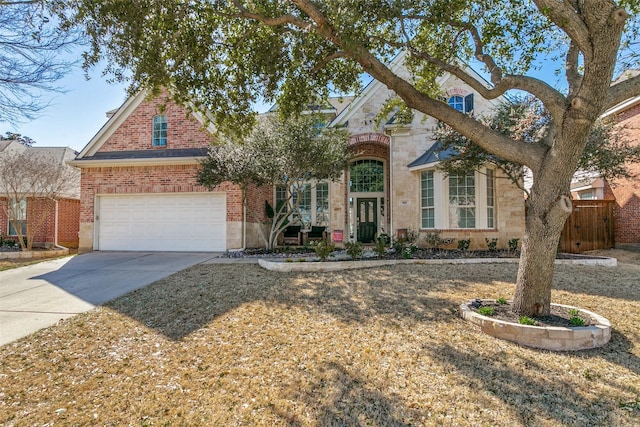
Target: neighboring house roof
(57, 156)
(432, 156)
(333, 105)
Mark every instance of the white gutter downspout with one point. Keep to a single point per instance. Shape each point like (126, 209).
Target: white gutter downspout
(55, 228)
(244, 225)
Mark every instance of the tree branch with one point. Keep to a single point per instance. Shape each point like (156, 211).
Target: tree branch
(620, 91)
(574, 78)
(568, 18)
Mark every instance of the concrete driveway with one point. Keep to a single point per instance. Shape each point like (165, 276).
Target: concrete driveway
(39, 295)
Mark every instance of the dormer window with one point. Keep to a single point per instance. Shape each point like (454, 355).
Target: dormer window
(159, 131)
(463, 104)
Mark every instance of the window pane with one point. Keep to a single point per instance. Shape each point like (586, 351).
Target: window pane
(490, 199)
(457, 102)
(367, 176)
(302, 213)
(322, 204)
(462, 201)
(160, 127)
(428, 206)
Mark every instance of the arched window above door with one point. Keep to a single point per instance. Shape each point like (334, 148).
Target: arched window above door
(366, 176)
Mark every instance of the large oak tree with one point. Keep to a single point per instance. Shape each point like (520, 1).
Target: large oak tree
(226, 55)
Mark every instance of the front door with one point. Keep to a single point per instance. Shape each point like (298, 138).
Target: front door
(367, 219)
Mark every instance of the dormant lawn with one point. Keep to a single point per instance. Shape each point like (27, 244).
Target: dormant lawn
(235, 345)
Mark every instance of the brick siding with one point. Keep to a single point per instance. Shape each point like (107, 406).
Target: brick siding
(627, 191)
(148, 179)
(136, 132)
(41, 220)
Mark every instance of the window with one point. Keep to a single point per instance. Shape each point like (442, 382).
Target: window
(462, 201)
(587, 195)
(159, 131)
(457, 102)
(460, 103)
(18, 214)
(491, 200)
(367, 176)
(428, 200)
(322, 203)
(313, 199)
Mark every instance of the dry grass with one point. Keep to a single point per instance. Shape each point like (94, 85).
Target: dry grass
(230, 345)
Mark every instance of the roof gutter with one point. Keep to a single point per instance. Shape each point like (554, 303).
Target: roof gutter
(136, 162)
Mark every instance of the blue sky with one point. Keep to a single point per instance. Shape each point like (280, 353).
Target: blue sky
(75, 116)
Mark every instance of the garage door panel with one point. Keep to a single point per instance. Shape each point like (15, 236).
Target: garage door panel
(168, 222)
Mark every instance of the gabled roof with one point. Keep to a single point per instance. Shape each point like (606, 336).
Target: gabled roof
(432, 156)
(374, 86)
(57, 156)
(116, 118)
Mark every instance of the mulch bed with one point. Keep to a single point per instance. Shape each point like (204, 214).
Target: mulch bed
(559, 315)
(420, 253)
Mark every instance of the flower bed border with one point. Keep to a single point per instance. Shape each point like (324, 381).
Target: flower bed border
(544, 337)
(33, 254)
(281, 265)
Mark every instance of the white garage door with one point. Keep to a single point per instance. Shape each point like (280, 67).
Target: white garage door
(161, 222)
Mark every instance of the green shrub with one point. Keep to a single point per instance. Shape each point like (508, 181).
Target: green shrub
(513, 245)
(501, 301)
(407, 253)
(385, 238)
(492, 244)
(526, 320)
(323, 249)
(380, 245)
(487, 311)
(354, 249)
(433, 239)
(463, 244)
(575, 319)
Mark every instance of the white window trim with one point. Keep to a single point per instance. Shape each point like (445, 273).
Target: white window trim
(441, 202)
(314, 202)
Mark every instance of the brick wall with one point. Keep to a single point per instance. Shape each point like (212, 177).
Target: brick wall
(68, 222)
(136, 132)
(41, 216)
(627, 191)
(41, 219)
(148, 179)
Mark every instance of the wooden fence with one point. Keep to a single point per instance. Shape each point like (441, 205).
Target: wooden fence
(590, 226)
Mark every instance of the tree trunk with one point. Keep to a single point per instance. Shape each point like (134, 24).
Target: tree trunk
(537, 261)
(547, 210)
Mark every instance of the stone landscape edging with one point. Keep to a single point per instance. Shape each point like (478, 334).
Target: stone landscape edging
(311, 265)
(33, 254)
(544, 337)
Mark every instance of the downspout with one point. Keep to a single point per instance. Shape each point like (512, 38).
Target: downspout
(55, 227)
(391, 192)
(244, 224)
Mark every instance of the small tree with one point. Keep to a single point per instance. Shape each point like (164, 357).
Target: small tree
(293, 153)
(608, 151)
(29, 175)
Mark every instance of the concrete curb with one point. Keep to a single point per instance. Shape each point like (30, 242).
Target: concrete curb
(281, 265)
